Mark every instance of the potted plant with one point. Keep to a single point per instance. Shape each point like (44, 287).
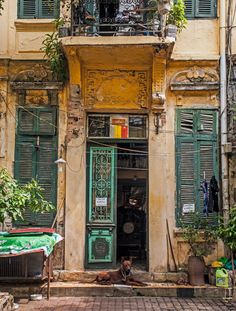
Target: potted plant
(176, 20)
(227, 232)
(201, 238)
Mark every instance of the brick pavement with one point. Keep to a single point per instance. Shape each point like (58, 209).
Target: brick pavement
(128, 304)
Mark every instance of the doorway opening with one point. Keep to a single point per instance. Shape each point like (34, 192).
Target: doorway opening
(132, 202)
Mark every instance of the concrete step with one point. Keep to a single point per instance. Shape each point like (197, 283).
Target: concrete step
(144, 276)
(75, 289)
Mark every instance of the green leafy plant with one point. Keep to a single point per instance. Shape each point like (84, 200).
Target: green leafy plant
(227, 230)
(176, 15)
(200, 236)
(53, 50)
(16, 198)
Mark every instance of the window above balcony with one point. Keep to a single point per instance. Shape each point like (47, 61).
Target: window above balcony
(200, 8)
(38, 9)
(118, 18)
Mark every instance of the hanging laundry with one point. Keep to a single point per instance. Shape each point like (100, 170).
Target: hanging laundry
(213, 195)
(204, 187)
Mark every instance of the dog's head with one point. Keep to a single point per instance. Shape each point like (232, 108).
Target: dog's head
(126, 265)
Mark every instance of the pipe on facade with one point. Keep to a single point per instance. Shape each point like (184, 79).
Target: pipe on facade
(223, 111)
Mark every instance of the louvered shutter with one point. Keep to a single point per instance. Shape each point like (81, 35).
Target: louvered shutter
(26, 121)
(27, 8)
(46, 120)
(189, 8)
(207, 168)
(48, 8)
(25, 168)
(46, 176)
(205, 8)
(186, 122)
(186, 168)
(207, 123)
(36, 126)
(196, 157)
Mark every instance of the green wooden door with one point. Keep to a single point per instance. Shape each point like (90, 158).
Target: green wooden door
(101, 220)
(35, 153)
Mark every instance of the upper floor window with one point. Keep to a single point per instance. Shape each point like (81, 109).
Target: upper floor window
(200, 8)
(38, 8)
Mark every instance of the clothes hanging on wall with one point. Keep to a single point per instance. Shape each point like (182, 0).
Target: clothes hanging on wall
(204, 187)
(213, 205)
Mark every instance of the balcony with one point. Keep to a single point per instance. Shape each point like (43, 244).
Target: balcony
(119, 18)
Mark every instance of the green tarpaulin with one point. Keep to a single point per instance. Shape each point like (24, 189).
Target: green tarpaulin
(11, 244)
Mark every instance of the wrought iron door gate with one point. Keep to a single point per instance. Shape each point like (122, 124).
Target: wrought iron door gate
(101, 219)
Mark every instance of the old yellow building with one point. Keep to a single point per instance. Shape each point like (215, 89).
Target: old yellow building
(137, 123)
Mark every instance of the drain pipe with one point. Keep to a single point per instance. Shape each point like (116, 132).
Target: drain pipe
(223, 112)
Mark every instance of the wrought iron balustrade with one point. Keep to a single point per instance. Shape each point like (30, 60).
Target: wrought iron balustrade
(116, 18)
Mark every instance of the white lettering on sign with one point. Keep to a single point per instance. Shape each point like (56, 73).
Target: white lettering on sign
(188, 208)
(101, 201)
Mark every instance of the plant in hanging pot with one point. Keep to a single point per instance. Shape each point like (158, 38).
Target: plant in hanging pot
(202, 238)
(176, 20)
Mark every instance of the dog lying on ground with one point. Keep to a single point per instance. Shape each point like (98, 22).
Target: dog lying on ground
(121, 276)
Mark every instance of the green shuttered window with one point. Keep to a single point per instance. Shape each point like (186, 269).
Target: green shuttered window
(35, 153)
(200, 8)
(38, 8)
(196, 158)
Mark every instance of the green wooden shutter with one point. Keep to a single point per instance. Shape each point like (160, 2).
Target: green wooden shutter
(26, 121)
(186, 174)
(186, 122)
(36, 151)
(205, 8)
(27, 8)
(48, 8)
(46, 176)
(25, 168)
(189, 8)
(46, 120)
(196, 157)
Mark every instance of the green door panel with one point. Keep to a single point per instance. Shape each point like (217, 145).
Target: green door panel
(101, 185)
(100, 245)
(101, 220)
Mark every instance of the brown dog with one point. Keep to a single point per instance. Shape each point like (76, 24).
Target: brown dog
(121, 276)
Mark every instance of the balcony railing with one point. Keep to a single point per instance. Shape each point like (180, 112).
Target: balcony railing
(117, 18)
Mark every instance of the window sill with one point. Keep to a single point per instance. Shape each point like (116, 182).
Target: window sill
(32, 25)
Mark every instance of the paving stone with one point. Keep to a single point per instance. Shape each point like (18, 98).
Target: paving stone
(128, 304)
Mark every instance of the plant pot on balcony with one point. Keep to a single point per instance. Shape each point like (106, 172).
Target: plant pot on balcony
(196, 270)
(171, 31)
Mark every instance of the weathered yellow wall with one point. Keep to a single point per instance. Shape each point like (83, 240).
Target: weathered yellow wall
(200, 40)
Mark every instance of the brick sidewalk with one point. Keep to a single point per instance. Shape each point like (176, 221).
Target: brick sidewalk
(128, 304)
